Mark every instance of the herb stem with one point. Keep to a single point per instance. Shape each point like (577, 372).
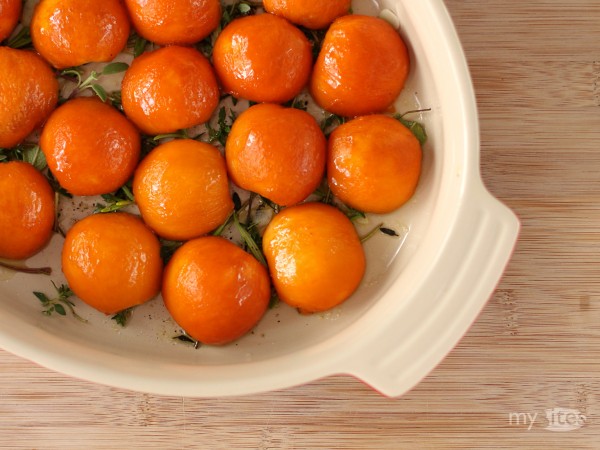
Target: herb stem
(370, 234)
(29, 270)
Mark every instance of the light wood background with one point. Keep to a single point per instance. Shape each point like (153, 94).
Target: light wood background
(536, 68)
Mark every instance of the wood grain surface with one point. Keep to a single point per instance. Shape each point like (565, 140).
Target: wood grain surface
(535, 347)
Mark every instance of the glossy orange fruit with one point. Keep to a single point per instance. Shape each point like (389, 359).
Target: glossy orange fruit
(373, 163)
(262, 58)
(70, 33)
(308, 13)
(169, 89)
(10, 14)
(315, 256)
(90, 147)
(361, 68)
(182, 22)
(182, 189)
(28, 94)
(214, 290)
(27, 205)
(276, 152)
(112, 261)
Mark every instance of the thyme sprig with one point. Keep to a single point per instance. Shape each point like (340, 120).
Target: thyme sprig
(75, 75)
(116, 201)
(21, 39)
(225, 121)
(58, 303)
(27, 152)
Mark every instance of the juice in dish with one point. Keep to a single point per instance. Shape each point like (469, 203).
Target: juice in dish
(252, 212)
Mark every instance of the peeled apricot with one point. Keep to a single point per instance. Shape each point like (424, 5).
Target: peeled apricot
(70, 33)
(214, 290)
(28, 94)
(182, 22)
(308, 13)
(315, 256)
(182, 189)
(112, 261)
(361, 68)
(262, 58)
(10, 14)
(169, 89)
(90, 147)
(276, 152)
(373, 163)
(27, 205)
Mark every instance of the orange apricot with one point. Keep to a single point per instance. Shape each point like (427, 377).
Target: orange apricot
(373, 163)
(262, 58)
(214, 290)
(169, 89)
(112, 261)
(28, 94)
(182, 22)
(315, 256)
(308, 13)
(27, 205)
(70, 33)
(182, 189)
(361, 68)
(90, 147)
(10, 14)
(276, 152)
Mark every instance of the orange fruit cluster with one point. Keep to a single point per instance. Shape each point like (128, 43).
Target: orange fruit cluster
(213, 289)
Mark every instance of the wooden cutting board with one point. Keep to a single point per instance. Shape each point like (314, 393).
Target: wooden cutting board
(534, 350)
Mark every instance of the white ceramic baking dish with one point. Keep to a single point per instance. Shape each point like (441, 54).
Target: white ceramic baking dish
(420, 295)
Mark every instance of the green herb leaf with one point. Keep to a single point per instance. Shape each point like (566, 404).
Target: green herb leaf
(249, 241)
(29, 153)
(116, 201)
(416, 128)
(116, 67)
(122, 317)
(181, 134)
(244, 8)
(34, 156)
(42, 297)
(20, 40)
(60, 309)
(100, 92)
(168, 248)
(332, 121)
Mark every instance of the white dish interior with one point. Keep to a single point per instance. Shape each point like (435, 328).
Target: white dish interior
(420, 294)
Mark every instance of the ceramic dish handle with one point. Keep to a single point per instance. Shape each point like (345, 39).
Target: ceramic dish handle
(475, 257)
